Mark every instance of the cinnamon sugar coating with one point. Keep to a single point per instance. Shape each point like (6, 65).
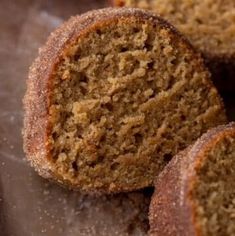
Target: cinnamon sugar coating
(113, 95)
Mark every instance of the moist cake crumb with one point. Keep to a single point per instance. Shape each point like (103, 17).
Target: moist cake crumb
(113, 95)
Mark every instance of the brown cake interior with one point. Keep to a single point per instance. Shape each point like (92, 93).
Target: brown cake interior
(208, 23)
(125, 98)
(214, 190)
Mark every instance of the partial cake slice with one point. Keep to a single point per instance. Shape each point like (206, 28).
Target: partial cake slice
(209, 25)
(113, 95)
(195, 194)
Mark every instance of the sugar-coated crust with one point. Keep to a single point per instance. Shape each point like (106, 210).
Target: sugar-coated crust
(166, 202)
(37, 98)
(172, 208)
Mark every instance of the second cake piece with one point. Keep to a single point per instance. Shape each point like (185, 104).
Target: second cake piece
(195, 194)
(113, 95)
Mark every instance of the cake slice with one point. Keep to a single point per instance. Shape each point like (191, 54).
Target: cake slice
(209, 25)
(113, 95)
(195, 194)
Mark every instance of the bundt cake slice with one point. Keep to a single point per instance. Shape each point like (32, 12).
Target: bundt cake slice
(195, 194)
(209, 25)
(113, 95)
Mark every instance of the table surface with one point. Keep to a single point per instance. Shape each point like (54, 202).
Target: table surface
(29, 205)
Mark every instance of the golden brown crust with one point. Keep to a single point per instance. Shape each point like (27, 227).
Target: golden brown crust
(36, 144)
(165, 215)
(171, 209)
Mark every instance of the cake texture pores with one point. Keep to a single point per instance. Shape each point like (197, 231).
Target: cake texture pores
(208, 24)
(113, 95)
